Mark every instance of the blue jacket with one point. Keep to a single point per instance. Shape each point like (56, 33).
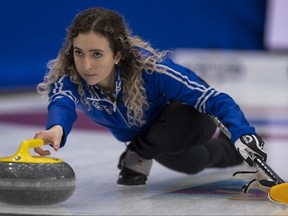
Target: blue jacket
(177, 84)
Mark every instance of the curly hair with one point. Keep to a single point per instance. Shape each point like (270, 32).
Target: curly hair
(112, 26)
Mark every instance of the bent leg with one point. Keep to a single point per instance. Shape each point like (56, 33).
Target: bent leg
(181, 139)
(179, 128)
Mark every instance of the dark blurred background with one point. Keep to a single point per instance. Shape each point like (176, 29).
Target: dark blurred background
(32, 31)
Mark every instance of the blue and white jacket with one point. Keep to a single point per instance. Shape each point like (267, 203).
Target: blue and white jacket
(177, 84)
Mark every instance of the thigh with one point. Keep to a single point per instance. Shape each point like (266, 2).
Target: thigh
(179, 128)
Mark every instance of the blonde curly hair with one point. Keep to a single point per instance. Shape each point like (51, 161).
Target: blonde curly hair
(111, 25)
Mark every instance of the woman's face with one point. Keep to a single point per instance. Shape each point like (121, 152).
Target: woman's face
(94, 59)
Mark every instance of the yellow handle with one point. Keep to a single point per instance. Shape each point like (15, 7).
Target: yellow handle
(23, 150)
(23, 155)
(33, 143)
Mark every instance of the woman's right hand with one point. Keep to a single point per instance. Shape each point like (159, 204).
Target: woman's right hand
(53, 137)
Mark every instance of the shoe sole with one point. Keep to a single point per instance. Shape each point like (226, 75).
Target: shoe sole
(129, 183)
(136, 186)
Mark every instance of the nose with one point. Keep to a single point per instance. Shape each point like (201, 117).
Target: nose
(87, 64)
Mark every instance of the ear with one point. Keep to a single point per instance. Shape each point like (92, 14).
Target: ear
(117, 57)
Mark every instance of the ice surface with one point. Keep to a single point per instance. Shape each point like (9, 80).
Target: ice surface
(94, 157)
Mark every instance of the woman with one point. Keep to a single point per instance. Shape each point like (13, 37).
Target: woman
(161, 109)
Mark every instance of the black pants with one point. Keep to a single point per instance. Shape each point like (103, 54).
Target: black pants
(182, 140)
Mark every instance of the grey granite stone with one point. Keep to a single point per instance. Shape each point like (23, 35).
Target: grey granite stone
(36, 184)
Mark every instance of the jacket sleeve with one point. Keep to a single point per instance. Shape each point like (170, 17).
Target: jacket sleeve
(180, 83)
(63, 98)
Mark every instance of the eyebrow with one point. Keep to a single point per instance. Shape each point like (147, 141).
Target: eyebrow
(91, 50)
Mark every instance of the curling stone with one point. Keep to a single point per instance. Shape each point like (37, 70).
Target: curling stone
(34, 180)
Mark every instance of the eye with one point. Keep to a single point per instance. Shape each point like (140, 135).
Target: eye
(97, 54)
(78, 53)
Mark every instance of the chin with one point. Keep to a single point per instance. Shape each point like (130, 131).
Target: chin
(91, 83)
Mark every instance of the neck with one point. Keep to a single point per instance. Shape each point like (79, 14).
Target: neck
(108, 85)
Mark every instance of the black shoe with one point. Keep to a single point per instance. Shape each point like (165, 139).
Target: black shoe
(130, 177)
(134, 168)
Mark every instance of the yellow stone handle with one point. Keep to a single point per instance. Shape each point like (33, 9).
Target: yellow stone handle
(33, 143)
(23, 150)
(23, 155)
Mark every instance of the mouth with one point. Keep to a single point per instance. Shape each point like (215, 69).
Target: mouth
(89, 75)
